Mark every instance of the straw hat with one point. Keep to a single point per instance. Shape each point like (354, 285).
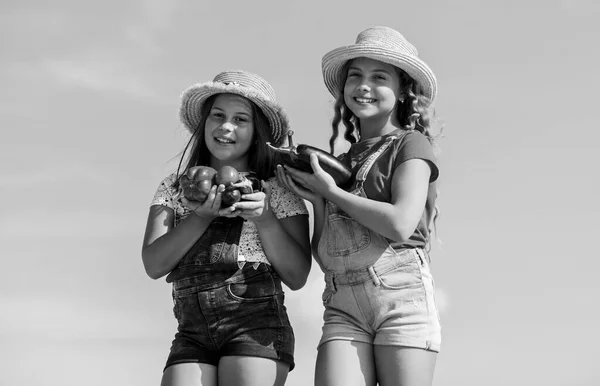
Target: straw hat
(386, 45)
(243, 83)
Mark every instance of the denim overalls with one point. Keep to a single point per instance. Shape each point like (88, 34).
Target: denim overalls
(223, 310)
(373, 293)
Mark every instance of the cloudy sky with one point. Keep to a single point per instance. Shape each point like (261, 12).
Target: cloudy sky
(89, 127)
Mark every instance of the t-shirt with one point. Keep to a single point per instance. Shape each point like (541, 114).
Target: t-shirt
(283, 202)
(377, 184)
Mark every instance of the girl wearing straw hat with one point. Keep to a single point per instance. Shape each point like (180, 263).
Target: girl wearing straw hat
(227, 265)
(381, 323)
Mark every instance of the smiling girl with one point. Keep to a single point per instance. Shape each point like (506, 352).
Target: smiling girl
(227, 265)
(381, 322)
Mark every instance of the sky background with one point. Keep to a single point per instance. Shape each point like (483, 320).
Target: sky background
(89, 102)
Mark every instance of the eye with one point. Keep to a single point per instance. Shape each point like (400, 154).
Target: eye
(353, 74)
(216, 114)
(241, 119)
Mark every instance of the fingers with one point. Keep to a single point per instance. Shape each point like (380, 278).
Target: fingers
(267, 190)
(283, 177)
(191, 205)
(212, 204)
(297, 174)
(231, 211)
(215, 196)
(314, 163)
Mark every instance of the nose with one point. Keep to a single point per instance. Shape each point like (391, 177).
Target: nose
(228, 126)
(364, 88)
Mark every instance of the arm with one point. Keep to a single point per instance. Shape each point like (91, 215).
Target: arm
(285, 241)
(317, 202)
(396, 220)
(164, 244)
(319, 213)
(287, 246)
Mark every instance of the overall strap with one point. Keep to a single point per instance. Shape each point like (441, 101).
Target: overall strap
(361, 175)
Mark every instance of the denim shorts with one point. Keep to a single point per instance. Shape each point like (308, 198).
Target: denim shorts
(388, 303)
(242, 315)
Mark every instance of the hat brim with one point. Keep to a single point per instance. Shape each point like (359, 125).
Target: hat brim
(334, 61)
(194, 97)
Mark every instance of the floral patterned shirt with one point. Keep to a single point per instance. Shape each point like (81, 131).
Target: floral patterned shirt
(283, 202)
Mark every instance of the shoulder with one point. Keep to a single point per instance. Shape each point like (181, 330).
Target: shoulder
(167, 183)
(283, 201)
(165, 192)
(169, 180)
(415, 145)
(415, 139)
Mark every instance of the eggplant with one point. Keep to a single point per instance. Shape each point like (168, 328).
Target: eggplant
(298, 157)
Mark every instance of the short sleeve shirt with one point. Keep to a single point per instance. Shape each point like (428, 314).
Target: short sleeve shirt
(284, 203)
(377, 186)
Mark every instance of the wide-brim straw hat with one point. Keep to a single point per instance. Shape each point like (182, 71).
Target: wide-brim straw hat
(386, 45)
(243, 83)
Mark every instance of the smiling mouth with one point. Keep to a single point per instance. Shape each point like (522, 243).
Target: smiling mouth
(224, 141)
(365, 100)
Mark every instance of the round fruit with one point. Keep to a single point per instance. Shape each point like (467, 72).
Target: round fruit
(196, 182)
(227, 175)
(198, 173)
(230, 197)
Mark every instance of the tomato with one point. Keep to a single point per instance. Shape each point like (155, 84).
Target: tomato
(204, 186)
(227, 175)
(230, 197)
(196, 182)
(199, 173)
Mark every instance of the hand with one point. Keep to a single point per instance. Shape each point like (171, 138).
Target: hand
(288, 181)
(319, 182)
(211, 208)
(255, 206)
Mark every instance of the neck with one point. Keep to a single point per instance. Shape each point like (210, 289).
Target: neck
(378, 126)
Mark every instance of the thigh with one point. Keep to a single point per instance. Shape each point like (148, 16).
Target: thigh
(190, 374)
(345, 363)
(404, 366)
(251, 371)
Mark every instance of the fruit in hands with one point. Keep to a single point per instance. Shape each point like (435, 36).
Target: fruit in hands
(298, 157)
(233, 191)
(226, 175)
(196, 183)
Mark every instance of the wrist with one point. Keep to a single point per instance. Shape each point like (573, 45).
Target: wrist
(266, 220)
(201, 219)
(331, 193)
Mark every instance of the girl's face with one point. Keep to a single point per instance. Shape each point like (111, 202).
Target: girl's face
(229, 131)
(372, 88)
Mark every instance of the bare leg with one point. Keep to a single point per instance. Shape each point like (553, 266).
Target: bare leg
(190, 374)
(345, 363)
(252, 371)
(404, 366)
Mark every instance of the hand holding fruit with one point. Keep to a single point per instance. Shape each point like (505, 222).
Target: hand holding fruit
(197, 182)
(210, 208)
(303, 157)
(255, 206)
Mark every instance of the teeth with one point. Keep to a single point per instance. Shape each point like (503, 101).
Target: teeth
(224, 140)
(365, 100)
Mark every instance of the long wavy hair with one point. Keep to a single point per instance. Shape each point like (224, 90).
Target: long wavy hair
(260, 160)
(413, 113)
